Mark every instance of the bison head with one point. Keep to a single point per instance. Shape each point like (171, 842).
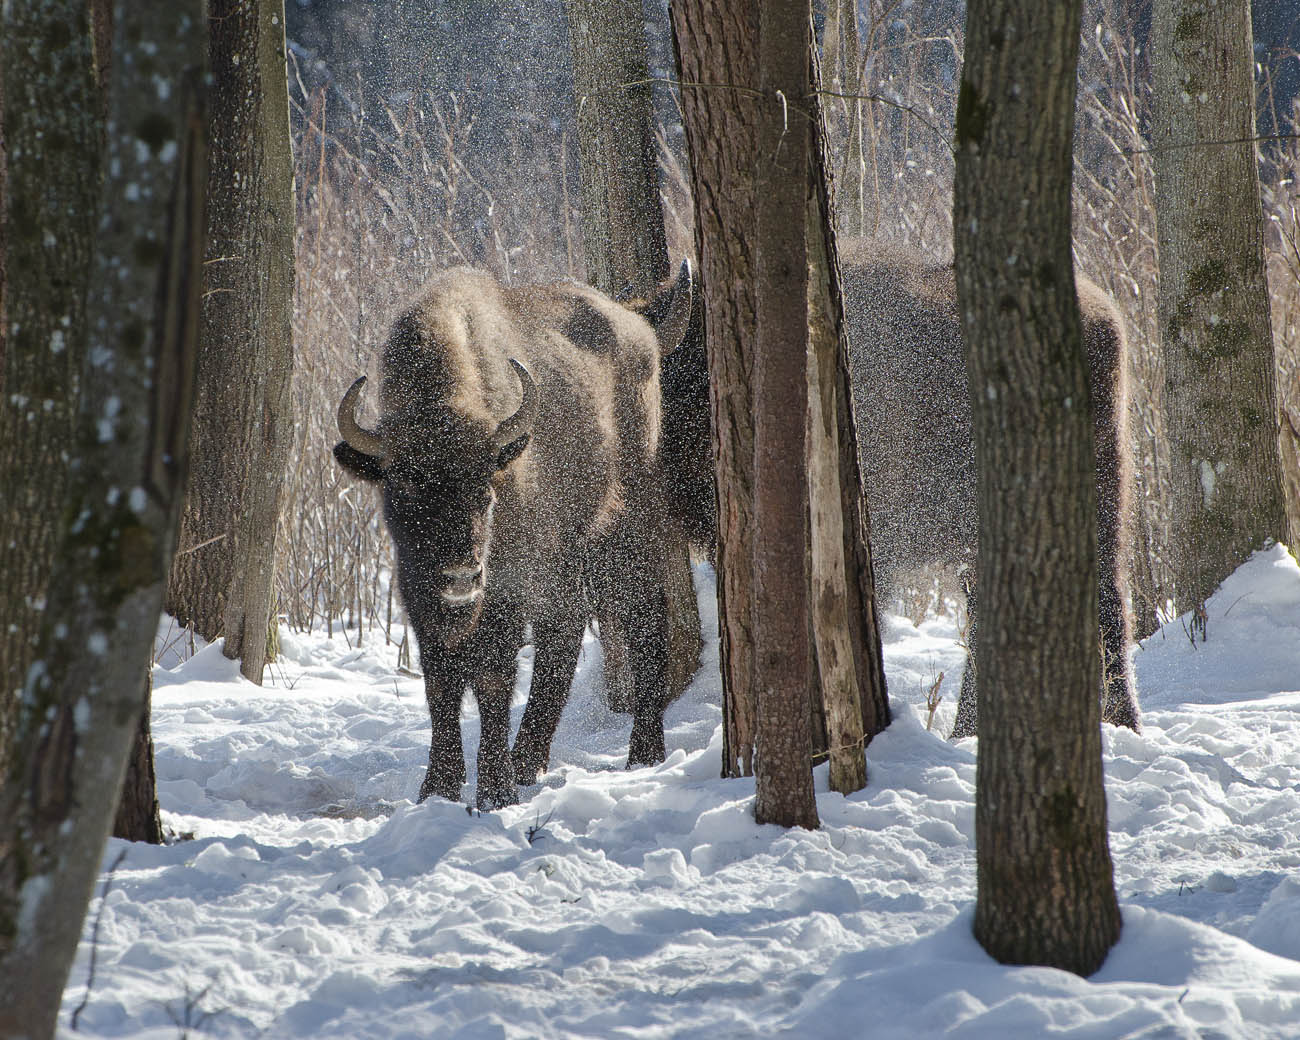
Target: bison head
(439, 491)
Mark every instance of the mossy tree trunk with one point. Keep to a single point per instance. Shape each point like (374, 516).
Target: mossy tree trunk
(1045, 890)
(1220, 380)
(223, 577)
(113, 527)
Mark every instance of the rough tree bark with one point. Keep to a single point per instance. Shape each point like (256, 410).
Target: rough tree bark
(222, 578)
(1220, 381)
(783, 775)
(849, 660)
(719, 43)
(79, 701)
(54, 128)
(626, 254)
(718, 58)
(1045, 890)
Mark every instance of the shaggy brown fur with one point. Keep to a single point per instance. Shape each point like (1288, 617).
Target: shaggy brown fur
(490, 535)
(914, 433)
(914, 429)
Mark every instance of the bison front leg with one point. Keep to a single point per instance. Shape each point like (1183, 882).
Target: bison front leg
(557, 644)
(444, 687)
(496, 775)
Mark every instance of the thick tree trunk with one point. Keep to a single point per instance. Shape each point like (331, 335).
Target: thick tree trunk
(1220, 382)
(51, 95)
(243, 424)
(848, 678)
(77, 714)
(721, 127)
(1045, 890)
(626, 254)
(783, 774)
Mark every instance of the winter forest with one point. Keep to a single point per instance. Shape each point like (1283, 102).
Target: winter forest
(649, 518)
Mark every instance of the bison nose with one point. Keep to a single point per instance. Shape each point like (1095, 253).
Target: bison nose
(464, 584)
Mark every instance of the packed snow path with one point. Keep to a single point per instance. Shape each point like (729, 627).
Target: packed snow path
(315, 900)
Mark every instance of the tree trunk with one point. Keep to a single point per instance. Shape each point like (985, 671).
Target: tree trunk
(720, 41)
(115, 523)
(1220, 382)
(842, 46)
(243, 424)
(1045, 891)
(626, 254)
(783, 773)
(51, 95)
(137, 816)
(850, 666)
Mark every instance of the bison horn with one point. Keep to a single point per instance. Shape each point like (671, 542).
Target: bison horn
(365, 441)
(522, 421)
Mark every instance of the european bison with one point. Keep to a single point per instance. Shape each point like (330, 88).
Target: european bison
(914, 433)
(517, 450)
(912, 409)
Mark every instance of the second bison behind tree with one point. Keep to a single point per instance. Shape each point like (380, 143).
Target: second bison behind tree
(517, 450)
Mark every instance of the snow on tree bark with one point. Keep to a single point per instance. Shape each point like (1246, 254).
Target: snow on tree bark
(81, 698)
(53, 130)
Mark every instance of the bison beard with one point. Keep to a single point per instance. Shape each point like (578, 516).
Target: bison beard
(517, 452)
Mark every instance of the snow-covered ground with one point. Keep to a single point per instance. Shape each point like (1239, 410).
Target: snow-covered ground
(315, 900)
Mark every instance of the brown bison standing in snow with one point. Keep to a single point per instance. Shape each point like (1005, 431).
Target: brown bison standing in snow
(912, 409)
(517, 450)
(914, 433)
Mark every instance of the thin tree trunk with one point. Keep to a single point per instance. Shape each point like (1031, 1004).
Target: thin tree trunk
(721, 128)
(849, 658)
(1045, 891)
(627, 255)
(783, 774)
(137, 816)
(1220, 381)
(243, 424)
(78, 712)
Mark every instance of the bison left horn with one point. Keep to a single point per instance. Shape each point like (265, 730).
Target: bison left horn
(365, 441)
(522, 421)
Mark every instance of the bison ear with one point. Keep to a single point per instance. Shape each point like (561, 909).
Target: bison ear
(358, 463)
(669, 309)
(512, 451)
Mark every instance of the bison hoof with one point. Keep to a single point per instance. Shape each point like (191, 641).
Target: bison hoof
(496, 796)
(443, 787)
(645, 751)
(528, 769)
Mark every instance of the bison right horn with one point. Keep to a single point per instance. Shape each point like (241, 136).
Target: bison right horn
(365, 441)
(522, 421)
